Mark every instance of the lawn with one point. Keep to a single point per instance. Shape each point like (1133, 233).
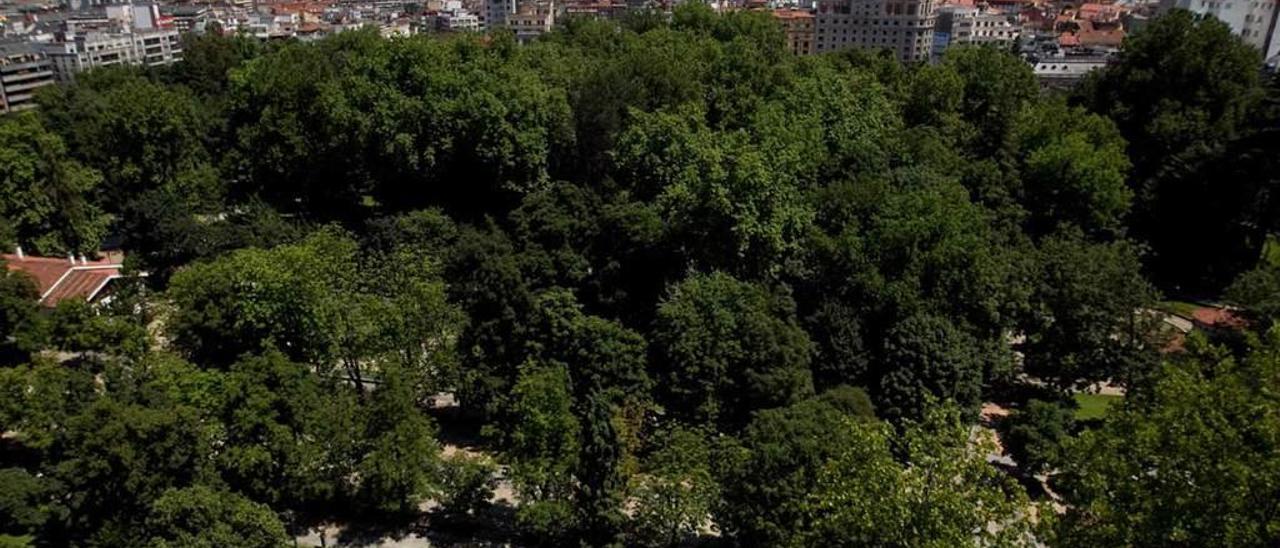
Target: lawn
(1094, 406)
(1180, 308)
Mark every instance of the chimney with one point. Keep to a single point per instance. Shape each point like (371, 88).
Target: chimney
(83, 260)
(71, 258)
(21, 255)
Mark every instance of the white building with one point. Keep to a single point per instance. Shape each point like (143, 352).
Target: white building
(102, 49)
(1063, 72)
(458, 21)
(1256, 21)
(970, 25)
(902, 26)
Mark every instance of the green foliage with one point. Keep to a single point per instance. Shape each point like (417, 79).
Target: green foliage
(358, 115)
(468, 483)
(940, 491)
(927, 359)
(206, 518)
(1192, 460)
(400, 466)
(320, 302)
(18, 314)
(677, 491)
(1185, 93)
(24, 503)
(118, 459)
(1073, 167)
(1258, 290)
(46, 197)
(141, 135)
(544, 442)
(77, 326)
(996, 87)
(1035, 435)
(767, 479)
(725, 348)
(1089, 319)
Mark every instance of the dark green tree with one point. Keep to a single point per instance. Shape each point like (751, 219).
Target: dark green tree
(767, 479)
(725, 348)
(47, 197)
(1035, 435)
(1165, 468)
(207, 518)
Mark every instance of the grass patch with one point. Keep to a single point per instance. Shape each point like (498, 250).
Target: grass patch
(1094, 406)
(1180, 308)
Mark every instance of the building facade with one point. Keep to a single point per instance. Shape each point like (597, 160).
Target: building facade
(1256, 21)
(103, 49)
(904, 27)
(532, 20)
(799, 28)
(23, 70)
(969, 25)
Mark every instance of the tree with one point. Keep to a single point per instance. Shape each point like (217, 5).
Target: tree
(719, 189)
(928, 359)
(24, 503)
(1258, 290)
(544, 450)
(1166, 468)
(1073, 168)
(1179, 91)
(401, 465)
(940, 492)
(1036, 434)
(268, 408)
(676, 490)
(46, 197)
(767, 478)
(252, 299)
(207, 518)
(996, 87)
(599, 488)
(18, 314)
(725, 348)
(116, 459)
(140, 134)
(1089, 321)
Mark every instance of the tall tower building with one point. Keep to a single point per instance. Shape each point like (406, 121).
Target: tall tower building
(903, 26)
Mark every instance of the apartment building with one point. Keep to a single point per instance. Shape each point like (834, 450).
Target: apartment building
(969, 25)
(1256, 21)
(23, 70)
(798, 27)
(531, 20)
(101, 49)
(904, 27)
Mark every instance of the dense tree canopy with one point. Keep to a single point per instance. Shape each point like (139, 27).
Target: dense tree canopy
(643, 282)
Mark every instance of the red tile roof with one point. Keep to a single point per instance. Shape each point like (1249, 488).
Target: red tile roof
(1217, 317)
(58, 279)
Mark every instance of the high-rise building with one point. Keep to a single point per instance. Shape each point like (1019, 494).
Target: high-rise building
(1256, 21)
(23, 70)
(902, 26)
